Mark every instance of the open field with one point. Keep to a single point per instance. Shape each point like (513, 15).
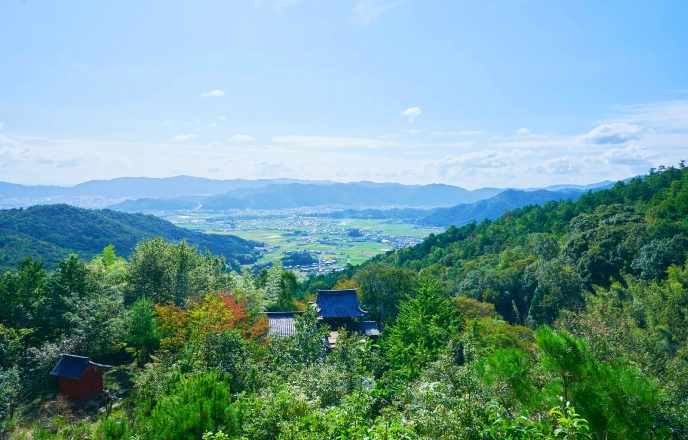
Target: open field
(335, 242)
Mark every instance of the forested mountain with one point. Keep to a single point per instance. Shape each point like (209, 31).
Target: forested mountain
(50, 233)
(156, 205)
(493, 207)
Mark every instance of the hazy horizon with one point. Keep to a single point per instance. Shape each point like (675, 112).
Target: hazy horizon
(305, 181)
(473, 94)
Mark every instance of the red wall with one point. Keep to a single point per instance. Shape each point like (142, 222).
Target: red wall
(88, 385)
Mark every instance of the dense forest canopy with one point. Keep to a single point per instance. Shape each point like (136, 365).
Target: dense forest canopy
(567, 320)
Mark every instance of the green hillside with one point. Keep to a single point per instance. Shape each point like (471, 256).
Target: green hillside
(534, 261)
(51, 232)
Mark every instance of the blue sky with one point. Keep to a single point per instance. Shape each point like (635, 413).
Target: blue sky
(471, 93)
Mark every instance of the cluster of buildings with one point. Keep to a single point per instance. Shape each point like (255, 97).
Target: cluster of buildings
(80, 378)
(338, 309)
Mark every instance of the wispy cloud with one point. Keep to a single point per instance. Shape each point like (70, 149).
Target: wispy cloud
(411, 113)
(183, 137)
(667, 115)
(333, 142)
(241, 138)
(367, 11)
(523, 131)
(168, 122)
(211, 124)
(214, 144)
(217, 93)
(633, 155)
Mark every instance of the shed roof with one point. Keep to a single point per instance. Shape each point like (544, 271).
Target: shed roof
(72, 367)
(282, 323)
(338, 304)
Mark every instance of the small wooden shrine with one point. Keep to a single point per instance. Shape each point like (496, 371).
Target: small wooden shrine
(79, 377)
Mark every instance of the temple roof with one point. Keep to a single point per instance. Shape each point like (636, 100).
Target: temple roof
(72, 367)
(282, 323)
(364, 328)
(338, 304)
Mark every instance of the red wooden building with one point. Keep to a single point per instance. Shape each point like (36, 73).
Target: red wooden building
(79, 378)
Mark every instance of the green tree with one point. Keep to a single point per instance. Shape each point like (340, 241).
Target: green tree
(382, 288)
(425, 326)
(141, 334)
(9, 395)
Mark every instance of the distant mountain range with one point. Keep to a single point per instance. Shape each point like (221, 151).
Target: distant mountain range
(459, 215)
(139, 187)
(51, 232)
(185, 193)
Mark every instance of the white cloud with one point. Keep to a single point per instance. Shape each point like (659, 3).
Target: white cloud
(183, 137)
(214, 144)
(615, 133)
(211, 124)
(635, 159)
(214, 94)
(523, 131)
(367, 11)
(168, 122)
(411, 113)
(413, 131)
(453, 167)
(241, 138)
(333, 142)
(197, 121)
(222, 118)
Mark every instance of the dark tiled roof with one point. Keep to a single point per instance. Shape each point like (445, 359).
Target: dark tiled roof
(338, 304)
(282, 323)
(367, 328)
(72, 367)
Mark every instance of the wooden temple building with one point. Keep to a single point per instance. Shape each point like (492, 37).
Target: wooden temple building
(79, 377)
(339, 309)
